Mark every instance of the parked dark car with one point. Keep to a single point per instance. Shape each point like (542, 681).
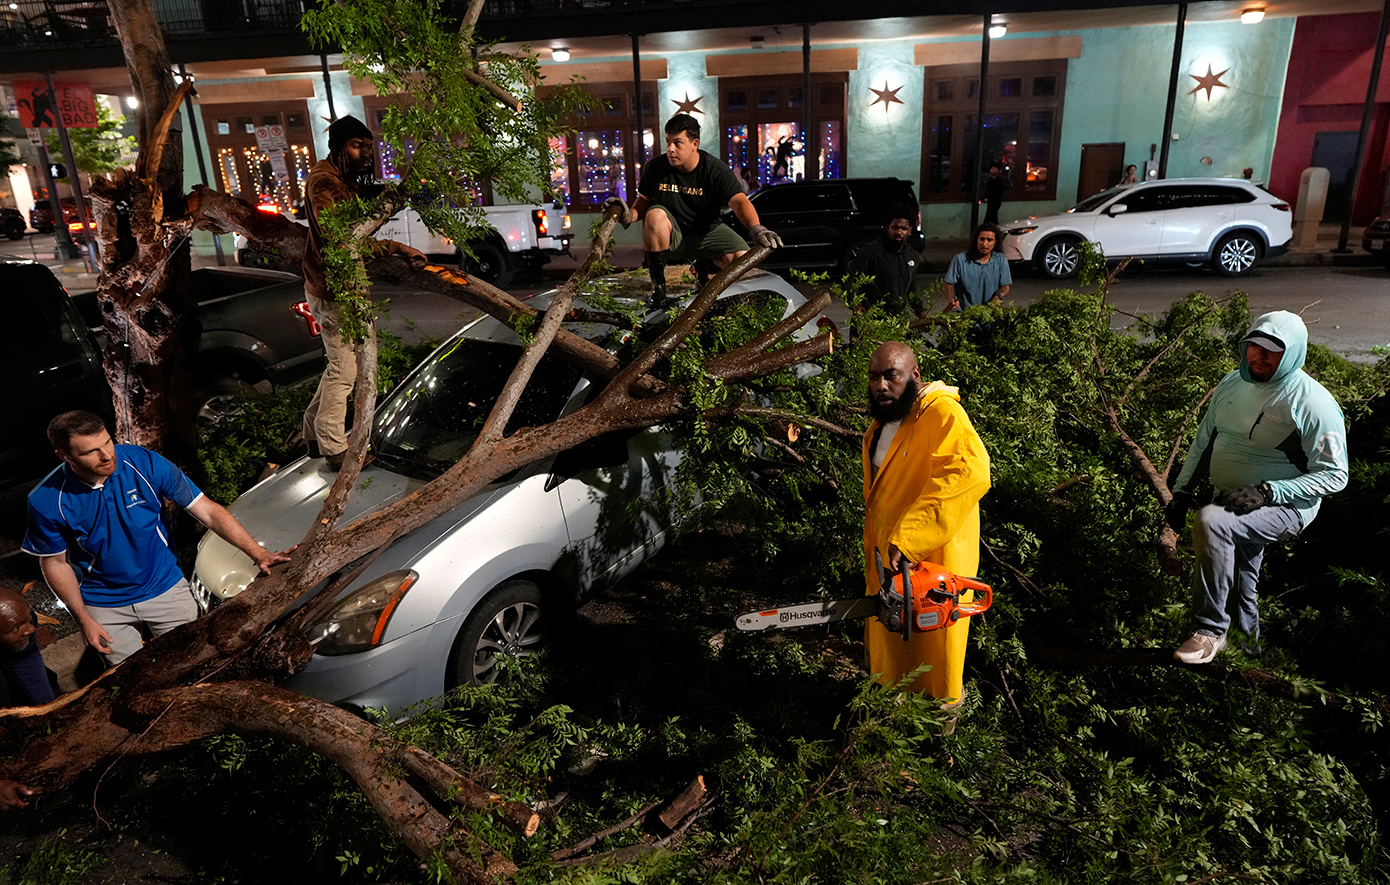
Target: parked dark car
(1376, 239)
(257, 334)
(41, 217)
(823, 223)
(12, 222)
(49, 363)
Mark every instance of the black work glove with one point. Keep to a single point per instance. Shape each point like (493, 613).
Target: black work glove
(1175, 514)
(1247, 499)
(764, 237)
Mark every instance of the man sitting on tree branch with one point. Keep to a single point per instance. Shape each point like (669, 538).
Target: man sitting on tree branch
(678, 203)
(1274, 443)
(348, 172)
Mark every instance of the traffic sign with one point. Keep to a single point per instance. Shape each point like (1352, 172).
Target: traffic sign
(271, 139)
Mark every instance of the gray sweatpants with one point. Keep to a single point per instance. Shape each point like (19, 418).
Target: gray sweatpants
(1229, 551)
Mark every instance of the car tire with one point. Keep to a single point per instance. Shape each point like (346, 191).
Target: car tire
(1236, 254)
(489, 264)
(509, 622)
(218, 397)
(14, 229)
(1059, 257)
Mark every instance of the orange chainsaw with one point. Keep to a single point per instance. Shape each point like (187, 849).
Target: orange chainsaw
(917, 598)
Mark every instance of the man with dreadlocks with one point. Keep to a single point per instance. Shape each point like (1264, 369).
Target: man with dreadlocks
(348, 172)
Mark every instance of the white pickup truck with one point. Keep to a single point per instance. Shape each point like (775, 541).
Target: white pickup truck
(523, 240)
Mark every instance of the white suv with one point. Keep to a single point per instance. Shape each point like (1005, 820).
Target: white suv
(1229, 223)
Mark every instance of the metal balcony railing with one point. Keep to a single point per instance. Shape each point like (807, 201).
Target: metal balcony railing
(36, 24)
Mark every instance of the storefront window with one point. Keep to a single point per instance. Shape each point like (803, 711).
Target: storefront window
(939, 142)
(559, 171)
(1019, 131)
(831, 158)
(764, 128)
(602, 165)
(1037, 177)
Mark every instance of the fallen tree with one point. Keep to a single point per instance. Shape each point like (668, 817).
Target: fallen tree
(217, 675)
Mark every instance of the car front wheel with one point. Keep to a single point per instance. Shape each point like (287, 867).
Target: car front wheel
(509, 623)
(1059, 257)
(1235, 254)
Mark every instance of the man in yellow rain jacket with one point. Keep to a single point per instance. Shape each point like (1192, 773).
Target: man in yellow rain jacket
(925, 470)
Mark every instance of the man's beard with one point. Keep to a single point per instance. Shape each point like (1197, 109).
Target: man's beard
(887, 413)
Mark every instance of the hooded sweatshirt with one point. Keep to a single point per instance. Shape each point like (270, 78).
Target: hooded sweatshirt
(1287, 431)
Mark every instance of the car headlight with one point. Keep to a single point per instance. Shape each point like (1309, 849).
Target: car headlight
(1020, 231)
(357, 622)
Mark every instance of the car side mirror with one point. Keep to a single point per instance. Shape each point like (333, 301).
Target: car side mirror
(1117, 209)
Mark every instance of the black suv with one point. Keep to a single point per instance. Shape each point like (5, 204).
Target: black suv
(257, 334)
(823, 223)
(50, 365)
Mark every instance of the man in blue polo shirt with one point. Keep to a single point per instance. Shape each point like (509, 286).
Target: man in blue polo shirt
(979, 274)
(95, 522)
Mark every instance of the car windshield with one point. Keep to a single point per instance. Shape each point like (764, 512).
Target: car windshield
(432, 419)
(1090, 203)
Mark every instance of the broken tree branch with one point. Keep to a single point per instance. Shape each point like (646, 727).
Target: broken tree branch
(555, 314)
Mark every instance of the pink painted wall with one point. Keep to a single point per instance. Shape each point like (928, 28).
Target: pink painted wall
(1329, 67)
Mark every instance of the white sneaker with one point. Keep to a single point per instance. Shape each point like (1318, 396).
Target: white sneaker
(1199, 649)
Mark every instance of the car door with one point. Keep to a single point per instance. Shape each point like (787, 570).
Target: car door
(612, 490)
(1195, 215)
(49, 365)
(1132, 225)
(810, 218)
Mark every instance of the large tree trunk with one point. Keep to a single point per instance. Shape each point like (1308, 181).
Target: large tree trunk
(150, 318)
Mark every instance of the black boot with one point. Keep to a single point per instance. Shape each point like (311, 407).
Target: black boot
(704, 269)
(656, 266)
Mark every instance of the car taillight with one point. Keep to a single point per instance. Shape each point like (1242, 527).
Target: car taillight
(1282, 207)
(567, 222)
(538, 215)
(268, 208)
(74, 226)
(302, 308)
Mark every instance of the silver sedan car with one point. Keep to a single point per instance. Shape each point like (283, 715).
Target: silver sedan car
(446, 604)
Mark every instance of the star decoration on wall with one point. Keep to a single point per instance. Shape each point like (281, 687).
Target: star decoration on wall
(689, 106)
(1209, 82)
(885, 95)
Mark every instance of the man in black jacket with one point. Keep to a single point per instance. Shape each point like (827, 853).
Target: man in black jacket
(891, 263)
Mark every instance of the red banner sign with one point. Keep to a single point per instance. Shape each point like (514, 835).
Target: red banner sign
(38, 110)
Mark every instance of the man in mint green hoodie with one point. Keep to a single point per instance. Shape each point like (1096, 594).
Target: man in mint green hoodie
(1274, 442)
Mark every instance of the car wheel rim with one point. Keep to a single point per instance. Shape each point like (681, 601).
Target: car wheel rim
(515, 632)
(1238, 255)
(1060, 259)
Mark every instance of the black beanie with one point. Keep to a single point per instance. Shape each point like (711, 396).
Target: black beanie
(343, 128)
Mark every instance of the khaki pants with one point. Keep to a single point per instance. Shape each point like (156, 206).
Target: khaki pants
(172, 608)
(325, 421)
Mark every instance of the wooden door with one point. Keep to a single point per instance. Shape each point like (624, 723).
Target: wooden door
(1102, 166)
